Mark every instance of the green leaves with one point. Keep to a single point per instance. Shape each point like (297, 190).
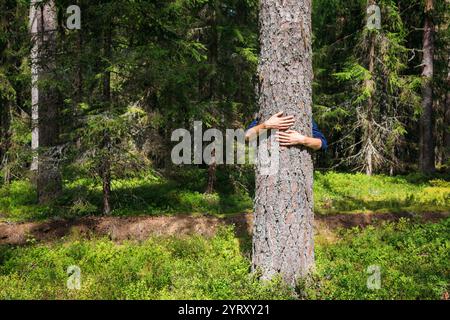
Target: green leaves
(353, 71)
(7, 91)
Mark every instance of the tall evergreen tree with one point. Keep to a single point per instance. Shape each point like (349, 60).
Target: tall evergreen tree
(427, 142)
(283, 219)
(45, 100)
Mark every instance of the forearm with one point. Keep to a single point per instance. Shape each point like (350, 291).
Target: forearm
(312, 143)
(253, 132)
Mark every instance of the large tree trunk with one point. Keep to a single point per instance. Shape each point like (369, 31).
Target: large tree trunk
(44, 100)
(427, 153)
(283, 218)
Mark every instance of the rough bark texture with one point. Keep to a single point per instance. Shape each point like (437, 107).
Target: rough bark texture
(427, 153)
(45, 100)
(283, 228)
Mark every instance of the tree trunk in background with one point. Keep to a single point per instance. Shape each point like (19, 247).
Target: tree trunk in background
(106, 180)
(79, 75)
(427, 153)
(212, 60)
(211, 174)
(447, 118)
(106, 162)
(44, 100)
(5, 134)
(283, 218)
(369, 120)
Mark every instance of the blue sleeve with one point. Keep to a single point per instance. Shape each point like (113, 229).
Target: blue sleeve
(253, 124)
(319, 135)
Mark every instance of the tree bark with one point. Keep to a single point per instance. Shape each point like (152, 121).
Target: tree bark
(106, 181)
(45, 100)
(447, 118)
(283, 218)
(427, 153)
(369, 120)
(368, 117)
(211, 174)
(106, 162)
(5, 134)
(212, 60)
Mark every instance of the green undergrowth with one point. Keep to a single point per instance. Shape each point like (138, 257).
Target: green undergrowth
(412, 260)
(183, 193)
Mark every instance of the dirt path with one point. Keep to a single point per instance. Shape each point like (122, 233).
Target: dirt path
(140, 228)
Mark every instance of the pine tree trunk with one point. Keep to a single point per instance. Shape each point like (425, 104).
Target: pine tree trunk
(5, 134)
(211, 174)
(370, 84)
(283, 218)
(427, 153)
(106, 164)
(79, 75)
(106, 181)
(212, 59)
(45, 100)
(369, 122)
(446, 139)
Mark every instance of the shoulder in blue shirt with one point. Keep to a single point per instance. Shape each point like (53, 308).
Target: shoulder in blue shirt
(319, 135)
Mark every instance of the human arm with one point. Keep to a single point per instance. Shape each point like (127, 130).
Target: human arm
(277, 121)
(292, 138)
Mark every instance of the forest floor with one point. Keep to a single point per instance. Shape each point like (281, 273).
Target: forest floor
(411, 254)
(142, 227)
(166, 239)
(183, 193)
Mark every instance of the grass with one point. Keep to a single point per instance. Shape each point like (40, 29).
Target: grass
(159, 268)
(412, 257)
(183, 194)
(413, 261)
(355, 193)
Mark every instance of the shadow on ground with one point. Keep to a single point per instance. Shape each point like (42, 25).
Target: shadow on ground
(142, 227)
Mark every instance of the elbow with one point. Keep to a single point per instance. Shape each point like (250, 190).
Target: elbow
(248, 135)
(317, 146)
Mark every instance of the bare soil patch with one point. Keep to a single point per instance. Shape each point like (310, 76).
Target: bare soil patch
(142, 227)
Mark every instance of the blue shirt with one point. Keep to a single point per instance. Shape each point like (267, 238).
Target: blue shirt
(315, 131)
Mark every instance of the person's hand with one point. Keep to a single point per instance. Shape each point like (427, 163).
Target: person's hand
(277, 121)
(290, 138)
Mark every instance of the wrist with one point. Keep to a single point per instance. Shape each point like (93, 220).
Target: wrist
(301, 140)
